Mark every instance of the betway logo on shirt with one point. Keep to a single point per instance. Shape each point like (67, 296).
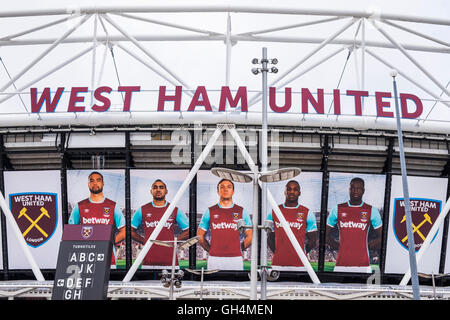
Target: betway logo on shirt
(95, 220)
(293, 225)
(224, 225)
(153, 224)
(353, 225)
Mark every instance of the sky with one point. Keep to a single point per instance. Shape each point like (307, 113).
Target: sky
(202, 63)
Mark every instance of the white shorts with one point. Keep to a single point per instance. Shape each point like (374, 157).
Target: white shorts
(158, 267)
(288, 268)
(225, 263)
(366, 269)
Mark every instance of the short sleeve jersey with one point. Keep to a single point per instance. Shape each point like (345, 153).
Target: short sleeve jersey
(222, 222)
(149, 215)
(103, 212)
(353, 223)
(301, 220)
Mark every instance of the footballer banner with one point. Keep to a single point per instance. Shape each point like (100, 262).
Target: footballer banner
(354, 222)
(149, 190)
(427, 196)
(110, 210)
(219, 229)
(34, 200)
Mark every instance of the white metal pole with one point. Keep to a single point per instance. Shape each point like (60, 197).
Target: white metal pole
(410, 79)
(94, 60)
(437, 224)
(447, 44)
(49, 72)
(172, 205)
(189, 93)
(228, 52)
(167, 24)
(277, 211)
(264, 151)
(254, 245)
(402, 50)
(43, 54)
(12, 222)
(411, 245)
(22, 33)
(291, 26)
(143, 49)
(172, 273)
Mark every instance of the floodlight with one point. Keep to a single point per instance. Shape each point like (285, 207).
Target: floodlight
(280, 175)
(274, 70)
(255, 70)
(233, 175)
(255, 61)
(189, 242)
(274, 61)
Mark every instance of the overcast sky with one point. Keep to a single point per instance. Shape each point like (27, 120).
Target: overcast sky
(203, 62)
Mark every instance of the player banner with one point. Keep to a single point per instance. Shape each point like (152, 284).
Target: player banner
(424, 213)
(355, 222)
(36, 215)
(98, 197)
(151, 193)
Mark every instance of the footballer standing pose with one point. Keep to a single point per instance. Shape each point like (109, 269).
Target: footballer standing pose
(97, 209)
(353, 219)
(225, 248)
(158, 257)
(302, 223)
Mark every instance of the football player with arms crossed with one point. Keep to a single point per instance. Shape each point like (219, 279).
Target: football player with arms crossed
(97, 209)
(353, 218)
(303, 224)
(225, 249)
(158, 257)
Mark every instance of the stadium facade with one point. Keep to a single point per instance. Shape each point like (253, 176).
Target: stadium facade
(108, 89)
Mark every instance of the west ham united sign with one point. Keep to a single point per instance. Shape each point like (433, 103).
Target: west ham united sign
(36, 215)
(424, 213)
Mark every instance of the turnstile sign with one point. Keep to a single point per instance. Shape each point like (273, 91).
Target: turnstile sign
(84, 262)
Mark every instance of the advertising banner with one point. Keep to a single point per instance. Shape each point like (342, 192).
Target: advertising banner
(98, 197)
(34, 198)
(151, 194)
(228, 249)
(299, 201)
(354, 222)
(427, 197)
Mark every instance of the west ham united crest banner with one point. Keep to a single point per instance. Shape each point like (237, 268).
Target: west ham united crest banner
(424, 213)
(36, 215)
(35, 202)
(427, 196)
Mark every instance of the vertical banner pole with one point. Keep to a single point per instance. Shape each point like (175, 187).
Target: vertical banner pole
(411, 246)
(23, 244)
(254, 245)
(264, 152)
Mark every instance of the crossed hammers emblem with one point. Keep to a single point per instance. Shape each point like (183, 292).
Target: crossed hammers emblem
(417, 228)
(34, 223)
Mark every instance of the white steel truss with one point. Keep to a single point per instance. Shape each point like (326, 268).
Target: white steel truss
(104, 18)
